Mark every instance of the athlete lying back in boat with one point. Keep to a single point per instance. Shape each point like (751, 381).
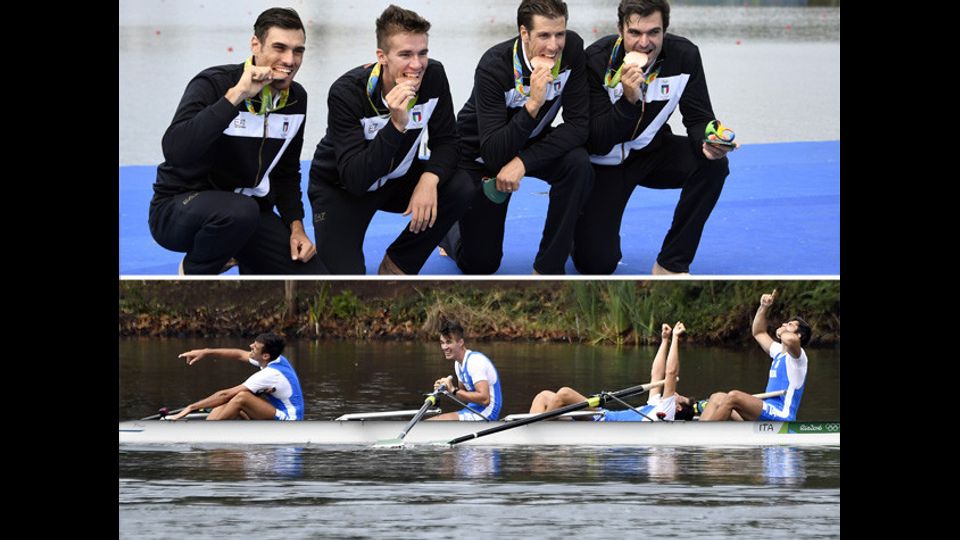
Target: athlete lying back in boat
(666, 406)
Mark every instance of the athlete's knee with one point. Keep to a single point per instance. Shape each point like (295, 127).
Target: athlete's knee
(242, 209)
(545, 395)
(461, 190)
(242, 214)
(577, 159)
(567, 394)
(215, 413)
(576, 163)
(719, 169)
(339, 257)
(340, 265)
(738, 397)
(589, 260)
(479, 265)
(244, 396)
(717, 398)
(555, 402)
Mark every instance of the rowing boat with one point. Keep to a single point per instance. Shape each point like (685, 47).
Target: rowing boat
(548, 433)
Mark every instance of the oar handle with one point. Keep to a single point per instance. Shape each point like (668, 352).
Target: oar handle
(164, 413)
(430, 400)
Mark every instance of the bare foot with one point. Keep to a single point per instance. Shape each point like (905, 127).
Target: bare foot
(661, 271)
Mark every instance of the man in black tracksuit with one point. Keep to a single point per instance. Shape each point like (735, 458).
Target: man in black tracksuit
(231, 153)
(631, 144)
(519, 87)
(367, 161)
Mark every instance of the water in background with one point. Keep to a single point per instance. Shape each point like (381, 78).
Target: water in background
(347, 377)
(773, 72)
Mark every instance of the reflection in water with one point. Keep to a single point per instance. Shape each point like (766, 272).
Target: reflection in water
(695, 466)
(658, 464)
(784, 465)
(768, 465)
(662, 464)
(259, 462)
(472, 462)
(772, 465)
(362, 492)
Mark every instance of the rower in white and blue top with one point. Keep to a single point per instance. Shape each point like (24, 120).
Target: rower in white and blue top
(273, 393)
(788, 372)
(667, 406)
(277, 382)
(479, 382)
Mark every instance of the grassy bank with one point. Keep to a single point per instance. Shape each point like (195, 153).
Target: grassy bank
(596, 312)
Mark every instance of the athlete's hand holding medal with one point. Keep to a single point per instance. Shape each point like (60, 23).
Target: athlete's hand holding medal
(541, 77)
(631, 75)
(252, 81)
(398, 100)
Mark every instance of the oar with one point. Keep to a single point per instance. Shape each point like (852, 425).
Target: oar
(593, 401)
(430, 401)
(164, 412)
(770, 394)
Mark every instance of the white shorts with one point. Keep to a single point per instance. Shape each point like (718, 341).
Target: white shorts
(467, 415)
(282, 415)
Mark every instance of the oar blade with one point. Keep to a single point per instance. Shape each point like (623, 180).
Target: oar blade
(389, 443)
(437, 443)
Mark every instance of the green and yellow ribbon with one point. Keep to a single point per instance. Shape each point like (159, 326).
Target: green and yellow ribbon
(372, 86)
(266, 96)
(612, 79)
(518, 69)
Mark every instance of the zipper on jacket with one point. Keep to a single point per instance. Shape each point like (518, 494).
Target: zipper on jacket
(256, 178)
(643, 108)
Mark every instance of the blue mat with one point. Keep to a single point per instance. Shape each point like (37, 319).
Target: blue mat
(779, 214)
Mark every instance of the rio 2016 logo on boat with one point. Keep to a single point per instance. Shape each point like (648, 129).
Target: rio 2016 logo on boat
(811, 427)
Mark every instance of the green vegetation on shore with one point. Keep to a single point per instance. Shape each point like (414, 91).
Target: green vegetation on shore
(616, 312)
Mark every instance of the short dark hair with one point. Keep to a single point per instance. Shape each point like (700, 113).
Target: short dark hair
(451, 328)
(550, 9)
(803, 328)
(686, 410)
(643, 8)
(395, 20)
(272, 344)
(285, 18)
